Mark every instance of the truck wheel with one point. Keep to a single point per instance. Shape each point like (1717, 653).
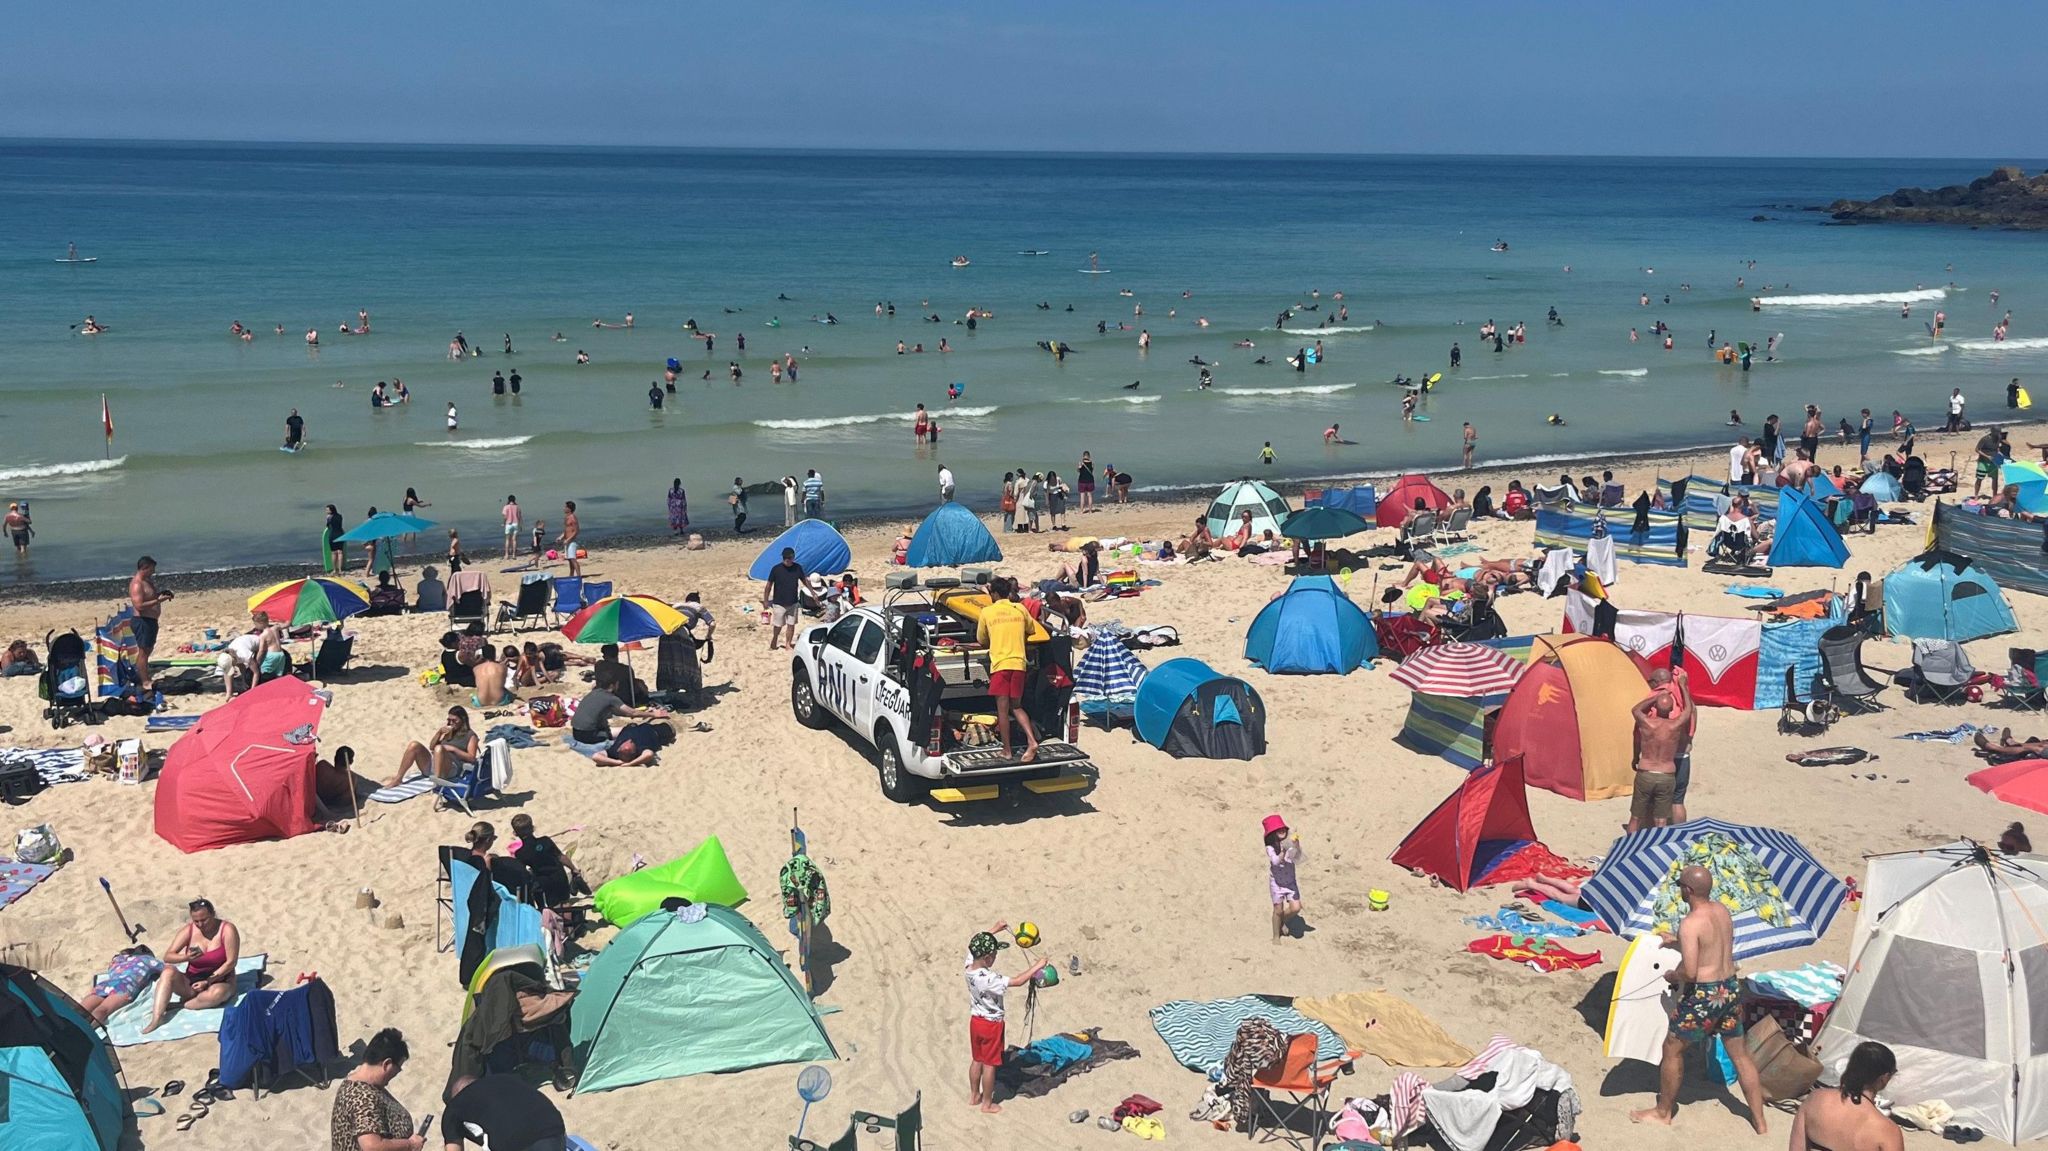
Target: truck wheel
(803, 702)
(898, 785)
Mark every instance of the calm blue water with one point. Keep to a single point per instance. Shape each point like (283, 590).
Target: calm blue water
(532, 242)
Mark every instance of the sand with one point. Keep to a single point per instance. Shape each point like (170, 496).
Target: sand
(1154, 879)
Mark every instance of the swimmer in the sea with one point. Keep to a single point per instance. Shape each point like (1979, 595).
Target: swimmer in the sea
(1132, 385)
(1555, 420)
(1734, 418)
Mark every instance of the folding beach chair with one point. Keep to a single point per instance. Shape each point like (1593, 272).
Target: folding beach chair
(478, 781)
(2026, 680)
(594, 590)
(1941, 669)
(1293, 1091)
(469, 607)
(336, 650)
(568, 598)
(1810, 716)
(1843, 678)
(1455, 529)
(908, 1124)
(531, 610)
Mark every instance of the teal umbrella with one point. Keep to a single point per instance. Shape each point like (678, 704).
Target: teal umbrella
(384, 526)
(1322, 523)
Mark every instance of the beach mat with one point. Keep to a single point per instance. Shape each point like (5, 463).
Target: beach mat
(54, 765)
(18, 879)
(169, 722)
(1402, 1036)
(1199, 1034)
(400, 792)
(124, 1028)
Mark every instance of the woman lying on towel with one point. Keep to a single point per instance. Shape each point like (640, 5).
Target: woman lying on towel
(636, 745)
(2007, 748)
(445, 753)
(208, 946)
(128, 972)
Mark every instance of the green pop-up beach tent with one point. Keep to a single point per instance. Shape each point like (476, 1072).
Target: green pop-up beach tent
(702, 876)
(687, 992)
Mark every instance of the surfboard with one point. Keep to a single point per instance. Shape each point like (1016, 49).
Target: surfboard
(80, 260)
(1420, 419)
(1093, 271)
(1433, 378)
(1034, 252)
(291, 451)
(2026, 401)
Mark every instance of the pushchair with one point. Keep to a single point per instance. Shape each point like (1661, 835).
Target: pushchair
(66, 683)
(1913, 479)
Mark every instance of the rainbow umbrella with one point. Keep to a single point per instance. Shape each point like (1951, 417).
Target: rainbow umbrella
(2032, 480)
(315, 599)
(622, 619)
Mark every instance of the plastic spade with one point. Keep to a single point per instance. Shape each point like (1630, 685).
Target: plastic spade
(131, 933)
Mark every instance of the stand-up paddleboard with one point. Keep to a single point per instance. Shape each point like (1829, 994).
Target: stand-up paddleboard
(1033, 252)
(71, 256)
(1094, 267)
(1419, 419)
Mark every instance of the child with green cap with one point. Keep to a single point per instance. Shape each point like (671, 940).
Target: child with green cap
(985, 990)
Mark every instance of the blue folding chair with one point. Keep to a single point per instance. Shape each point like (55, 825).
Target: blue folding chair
(594, 590)
(568, 597)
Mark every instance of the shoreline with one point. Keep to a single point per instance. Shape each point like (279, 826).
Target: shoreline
(1164, 496)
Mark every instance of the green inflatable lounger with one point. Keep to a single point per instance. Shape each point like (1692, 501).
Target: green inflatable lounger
(702, 876)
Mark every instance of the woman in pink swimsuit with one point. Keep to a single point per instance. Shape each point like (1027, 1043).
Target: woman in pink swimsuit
(208, 946)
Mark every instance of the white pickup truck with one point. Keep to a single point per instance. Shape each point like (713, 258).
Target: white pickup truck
(908, 679)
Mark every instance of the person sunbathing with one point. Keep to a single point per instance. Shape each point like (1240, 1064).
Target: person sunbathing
(445, 753)
(1196, 544)
(1434, 612)
(1494, 575)
(636, 745)
(1543, 887)
(334, 784)
(128, 972)
(2008, 748)
(19, 660)
(208, 946)
(533, 669)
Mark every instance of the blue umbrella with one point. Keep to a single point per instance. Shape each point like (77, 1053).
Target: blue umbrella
(1626, 890)
(384, 526)
(1322, 523)
(1107, 669)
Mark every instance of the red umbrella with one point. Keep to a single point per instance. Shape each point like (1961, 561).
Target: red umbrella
(1400, 499)
(2022, 783)
(1459, 669)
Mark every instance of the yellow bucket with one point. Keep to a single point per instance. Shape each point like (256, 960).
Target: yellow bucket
(1376, 900)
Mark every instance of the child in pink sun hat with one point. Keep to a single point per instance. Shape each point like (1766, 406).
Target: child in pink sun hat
(1283, 851)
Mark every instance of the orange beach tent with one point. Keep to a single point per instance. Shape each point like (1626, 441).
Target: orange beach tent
(1568, 718)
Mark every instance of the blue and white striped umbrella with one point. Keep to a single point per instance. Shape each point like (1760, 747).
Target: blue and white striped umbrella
(1107, 670)
(1625, 889)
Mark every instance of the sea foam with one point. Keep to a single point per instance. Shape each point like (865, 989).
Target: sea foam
(53, 471)
(1855, 299)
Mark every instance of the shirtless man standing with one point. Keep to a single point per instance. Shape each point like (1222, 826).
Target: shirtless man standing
(1661, 723)
(148, 603)
(571, 528)
(1706, 999)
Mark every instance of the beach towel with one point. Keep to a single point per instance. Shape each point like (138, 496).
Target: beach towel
(1747, 591)
(1955, 734)
(1386, 1026)
(1200, 1033)
(1809, 986)
(1528, 860)
(169, 722)
(400, 792)
(124, 1028)
(1545, 955)
(54, 764)
(1031, 1078)
(18, 879)
(1587, 919)
(513, 735)
(1515, 923)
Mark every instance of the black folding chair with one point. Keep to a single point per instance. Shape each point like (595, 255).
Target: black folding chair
(1843, 677)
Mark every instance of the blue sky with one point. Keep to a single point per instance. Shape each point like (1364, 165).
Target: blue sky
(1719, 78)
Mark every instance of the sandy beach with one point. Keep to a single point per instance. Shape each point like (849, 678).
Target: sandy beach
(1154, 879)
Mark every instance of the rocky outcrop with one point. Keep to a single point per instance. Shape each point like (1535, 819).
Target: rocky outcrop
(2004, 199)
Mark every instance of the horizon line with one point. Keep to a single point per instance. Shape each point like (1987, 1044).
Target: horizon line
(1017, 153)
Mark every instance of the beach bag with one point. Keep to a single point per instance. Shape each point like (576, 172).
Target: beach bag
(1009, 500)
(1785, 1070)
(36, 844)
(547, 711)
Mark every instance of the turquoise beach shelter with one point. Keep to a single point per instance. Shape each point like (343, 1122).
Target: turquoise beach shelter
(1941, 595)
(1312, 628)
(951, 536)
(1804, 537)
(1187, 708)
(687, 992)
(1267, 506)
(819, 548)
(60, 1085)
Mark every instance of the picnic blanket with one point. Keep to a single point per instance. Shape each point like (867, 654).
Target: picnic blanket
(1385, 1025)
(18, 879)
(1808, 986)
(1200, 1033)
(1033, 1071)
(124, 1029)
(54, 764)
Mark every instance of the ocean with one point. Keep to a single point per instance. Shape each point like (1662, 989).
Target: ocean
(528, 243)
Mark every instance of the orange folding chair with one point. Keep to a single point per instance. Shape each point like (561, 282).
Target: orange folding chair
(1293, 1094)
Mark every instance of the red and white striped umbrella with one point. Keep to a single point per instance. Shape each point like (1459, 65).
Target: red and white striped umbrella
(1459, 669)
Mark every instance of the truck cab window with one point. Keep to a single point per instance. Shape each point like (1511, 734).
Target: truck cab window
(870, 645)
(842, 634)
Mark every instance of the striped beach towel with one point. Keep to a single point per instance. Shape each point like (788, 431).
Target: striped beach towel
(1200, 1033)
(1808, 986)
(400, 792)
(54, 764)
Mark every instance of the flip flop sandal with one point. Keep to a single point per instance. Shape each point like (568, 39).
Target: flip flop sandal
(174, 1087)
(700, 726)
(193, 1114)
(146, 1108)
(1080, 1116)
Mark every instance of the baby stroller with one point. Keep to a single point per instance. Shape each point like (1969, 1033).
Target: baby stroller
(65, 683)
(1913, 480)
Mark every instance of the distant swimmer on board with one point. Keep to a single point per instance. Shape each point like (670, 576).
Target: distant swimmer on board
(1132, 386)
(294, 431)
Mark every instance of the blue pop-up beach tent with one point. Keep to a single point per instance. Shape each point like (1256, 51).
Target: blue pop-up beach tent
(1313, 628)
(1804, 537)
(60, 1087)
(951, 536)
(1940, 595)
(819, 548)
(1187, 708)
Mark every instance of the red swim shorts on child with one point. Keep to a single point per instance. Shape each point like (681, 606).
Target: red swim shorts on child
(985, 1037)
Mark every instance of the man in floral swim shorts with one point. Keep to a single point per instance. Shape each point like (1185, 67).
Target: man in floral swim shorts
(1706, 1000)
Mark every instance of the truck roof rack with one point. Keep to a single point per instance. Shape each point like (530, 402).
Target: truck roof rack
(941, 582)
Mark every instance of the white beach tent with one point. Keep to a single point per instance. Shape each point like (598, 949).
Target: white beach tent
(1949, 969)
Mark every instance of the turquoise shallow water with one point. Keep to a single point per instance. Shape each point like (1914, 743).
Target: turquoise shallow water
(532, 242)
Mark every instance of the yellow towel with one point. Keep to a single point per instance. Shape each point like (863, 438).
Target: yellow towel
(1403, 1037)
